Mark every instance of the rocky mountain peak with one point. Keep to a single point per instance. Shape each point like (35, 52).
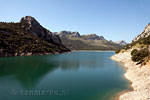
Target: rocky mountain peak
(144, 34)
(36, 29)
(122, 42)
(75, 34)
(93, 37)
(31, 21)
(68, 33)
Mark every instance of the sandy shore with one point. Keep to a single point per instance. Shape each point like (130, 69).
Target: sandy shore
(139, 76)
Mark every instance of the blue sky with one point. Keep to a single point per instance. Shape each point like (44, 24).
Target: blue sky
(113, 19)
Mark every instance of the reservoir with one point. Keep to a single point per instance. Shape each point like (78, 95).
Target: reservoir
(83, 75)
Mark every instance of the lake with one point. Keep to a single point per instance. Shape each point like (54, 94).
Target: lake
(84, 75)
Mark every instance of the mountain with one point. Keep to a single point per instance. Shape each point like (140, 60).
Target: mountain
(136, 59)
(144, 34)
(122, 42)
(67, 33)
(140, 47)
(92, 37)
(28, 37)
(36, 29)
(75, 41)
(140, 41)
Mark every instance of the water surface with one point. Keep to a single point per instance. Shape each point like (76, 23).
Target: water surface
(82, 75)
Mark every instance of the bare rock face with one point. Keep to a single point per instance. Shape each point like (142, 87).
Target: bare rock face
(144, 34)
(122, 42)
(93, 37)
(68, 33)
(77, 34)
(34, 27)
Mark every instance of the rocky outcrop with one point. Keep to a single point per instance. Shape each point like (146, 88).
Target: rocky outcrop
(93, 37)
(68, 33)
(144, 34)
(36, 29)
(138, 75)
(77, 34)
(122, 42)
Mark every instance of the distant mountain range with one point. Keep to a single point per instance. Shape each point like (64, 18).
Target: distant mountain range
(75, 41)
(28, 37)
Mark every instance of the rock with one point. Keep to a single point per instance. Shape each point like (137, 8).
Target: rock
(77, 34)
(29, 54)
(93, 37)
(144, 34)
(36, 29)
(68, 33)
(22, 54)
(122, 42)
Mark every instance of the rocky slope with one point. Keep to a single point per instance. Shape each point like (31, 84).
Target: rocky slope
(68, 33)
(122, 42)
(75, 41)
(139, 76)
(36, 29)
(136, 60)
(93, 37)
(144, 34)
(28, 37)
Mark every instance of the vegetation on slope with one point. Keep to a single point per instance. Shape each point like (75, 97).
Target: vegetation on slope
(142, 52)
(75, 43)
(16, 41)
(140, 55)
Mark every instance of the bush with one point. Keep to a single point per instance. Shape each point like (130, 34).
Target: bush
(117, 51)
(134, 51)
(139, 56)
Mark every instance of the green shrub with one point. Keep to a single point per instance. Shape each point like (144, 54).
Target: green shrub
(139, 56)
(134, 51)
(117, 51)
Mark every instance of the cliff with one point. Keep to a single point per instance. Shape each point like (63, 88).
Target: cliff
(144, 34)
(28, 37)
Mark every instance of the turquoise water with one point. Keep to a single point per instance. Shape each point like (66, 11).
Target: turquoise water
(69, 76)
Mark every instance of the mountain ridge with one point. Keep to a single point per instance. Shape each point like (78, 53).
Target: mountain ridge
(121, 42)
(75, 41)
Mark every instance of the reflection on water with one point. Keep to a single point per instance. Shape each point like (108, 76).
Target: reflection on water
(29, 70)
(91, 73)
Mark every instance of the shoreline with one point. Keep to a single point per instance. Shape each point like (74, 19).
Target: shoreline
(139, 78)
(39, 54)
(116, 96)
(93, 50)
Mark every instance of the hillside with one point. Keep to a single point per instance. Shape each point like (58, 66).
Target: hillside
(140, 47)
(136, 59)
(75, 41)
(28, 37)
(122, 42)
